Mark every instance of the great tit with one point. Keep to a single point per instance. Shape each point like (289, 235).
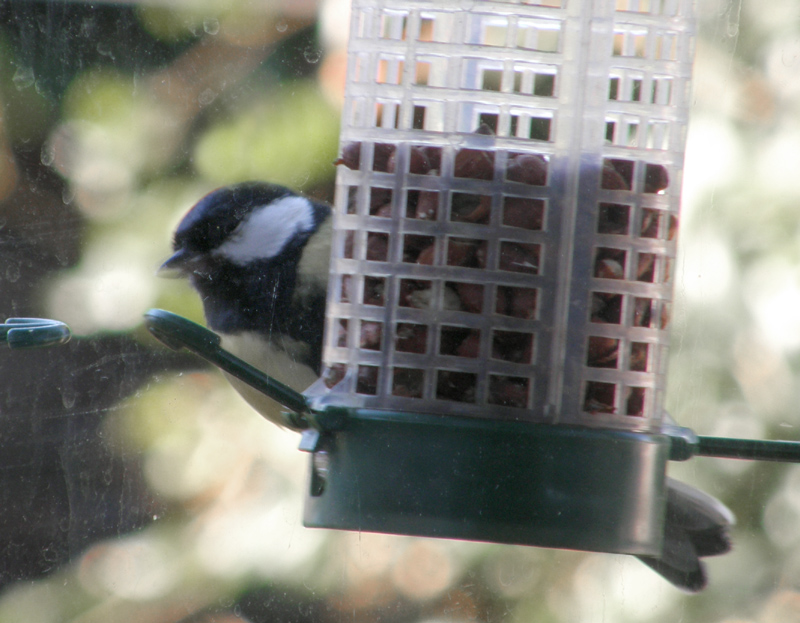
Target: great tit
(258, 255)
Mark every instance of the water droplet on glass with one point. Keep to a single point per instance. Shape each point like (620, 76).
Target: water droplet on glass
(62, 258)
(47, 156)
(104, 49)
(49, 555)
(311, 55)
(23, 77)
(211, 25)
(456, 140)
(281, 26)
(12, 273)
(206, 97)
(732, 27)
(68, 397)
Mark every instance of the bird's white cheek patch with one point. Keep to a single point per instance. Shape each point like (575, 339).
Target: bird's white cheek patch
(267, 230)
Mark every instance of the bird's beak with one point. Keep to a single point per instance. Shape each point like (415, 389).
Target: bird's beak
(177, 265)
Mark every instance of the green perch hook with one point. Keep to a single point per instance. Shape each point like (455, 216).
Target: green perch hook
(684, 445)
(33, 332)
(178, 332)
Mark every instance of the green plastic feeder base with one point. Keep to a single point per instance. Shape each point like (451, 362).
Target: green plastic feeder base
(505, 482)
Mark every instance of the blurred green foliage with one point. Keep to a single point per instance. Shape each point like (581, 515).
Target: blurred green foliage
(290, 138)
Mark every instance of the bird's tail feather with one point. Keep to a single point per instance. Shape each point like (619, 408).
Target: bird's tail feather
(696, 526)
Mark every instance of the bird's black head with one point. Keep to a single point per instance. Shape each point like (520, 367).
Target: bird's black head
(213, 220)
(241, 248)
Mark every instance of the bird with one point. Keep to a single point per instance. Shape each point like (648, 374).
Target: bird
(258, 255)
(696, 525)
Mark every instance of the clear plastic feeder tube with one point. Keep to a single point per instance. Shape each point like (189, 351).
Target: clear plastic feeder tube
(506, 208)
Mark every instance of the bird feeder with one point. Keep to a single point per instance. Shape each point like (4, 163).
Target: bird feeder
(503, 245)
(501, 277)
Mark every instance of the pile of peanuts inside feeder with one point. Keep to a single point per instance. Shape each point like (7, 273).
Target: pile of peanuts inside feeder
(464, 296)
(514, 256)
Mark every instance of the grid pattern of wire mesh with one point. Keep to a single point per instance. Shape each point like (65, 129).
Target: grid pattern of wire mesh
(506, 208)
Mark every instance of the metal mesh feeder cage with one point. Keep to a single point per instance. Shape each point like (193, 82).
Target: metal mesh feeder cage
(504, 231)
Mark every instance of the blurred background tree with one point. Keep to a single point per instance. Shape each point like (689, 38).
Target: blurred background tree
(136, 486)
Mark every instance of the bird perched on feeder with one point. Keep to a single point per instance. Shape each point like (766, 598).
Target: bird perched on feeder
(258, 255)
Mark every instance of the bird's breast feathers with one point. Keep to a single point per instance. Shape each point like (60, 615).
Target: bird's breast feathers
(279, 358)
